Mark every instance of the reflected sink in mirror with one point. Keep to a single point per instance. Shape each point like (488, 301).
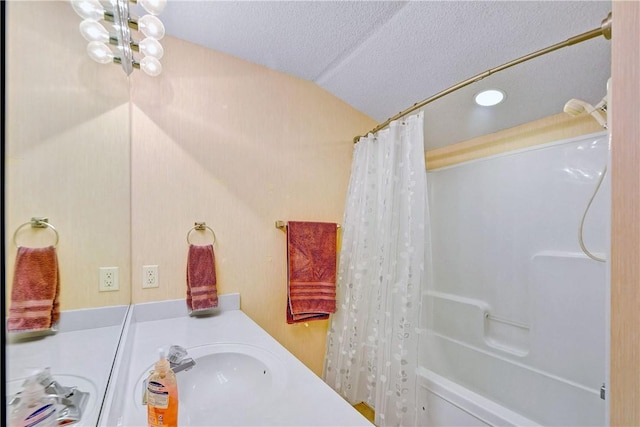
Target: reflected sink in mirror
(228, 385)
(67, 414)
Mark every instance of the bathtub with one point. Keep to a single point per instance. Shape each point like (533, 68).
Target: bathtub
(515, 312)
(474, 374)
(442, 402)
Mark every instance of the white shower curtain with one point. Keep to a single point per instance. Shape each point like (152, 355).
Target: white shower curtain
(372, 342)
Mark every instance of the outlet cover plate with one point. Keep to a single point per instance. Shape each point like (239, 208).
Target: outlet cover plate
(150, 276)
(109, 279)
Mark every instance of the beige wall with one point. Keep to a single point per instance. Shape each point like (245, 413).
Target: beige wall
(239, 146)
(67, 151)
(548, 129)
(625, 216)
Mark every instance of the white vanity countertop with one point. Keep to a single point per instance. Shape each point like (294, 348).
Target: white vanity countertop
(305, 399)
(76, 356)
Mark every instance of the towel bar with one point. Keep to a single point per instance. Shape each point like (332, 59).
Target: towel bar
(37, 222)
(281, 225)
(201, 226)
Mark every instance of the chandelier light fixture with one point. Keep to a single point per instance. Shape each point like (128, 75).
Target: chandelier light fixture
(148, 51)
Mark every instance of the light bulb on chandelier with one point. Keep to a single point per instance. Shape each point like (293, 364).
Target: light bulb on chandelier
(154, 7)
(151, 26)
(88, 9)
(93, 31)
(100, 52)
(120, 34)
(151, 47)
(151, 66)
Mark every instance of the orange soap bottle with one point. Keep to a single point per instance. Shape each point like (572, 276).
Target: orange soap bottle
(162, 395)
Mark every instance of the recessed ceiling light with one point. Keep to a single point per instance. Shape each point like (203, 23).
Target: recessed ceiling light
(490, 97)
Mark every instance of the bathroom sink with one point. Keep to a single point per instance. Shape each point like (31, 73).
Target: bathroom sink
(230, 384)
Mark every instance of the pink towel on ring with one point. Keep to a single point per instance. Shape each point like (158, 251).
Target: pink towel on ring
(36, 288)
(202, 293)
(311, 255)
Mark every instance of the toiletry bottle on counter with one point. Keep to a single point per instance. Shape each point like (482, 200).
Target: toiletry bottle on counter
(34, 408)
(162, 395)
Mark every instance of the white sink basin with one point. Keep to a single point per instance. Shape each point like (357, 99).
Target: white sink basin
(231, 384)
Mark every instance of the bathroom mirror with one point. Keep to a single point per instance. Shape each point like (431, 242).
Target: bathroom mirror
(67, 158)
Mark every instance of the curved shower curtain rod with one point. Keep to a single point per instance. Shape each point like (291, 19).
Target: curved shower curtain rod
(603, 30)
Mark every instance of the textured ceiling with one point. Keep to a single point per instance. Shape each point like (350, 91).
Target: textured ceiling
(381, 57)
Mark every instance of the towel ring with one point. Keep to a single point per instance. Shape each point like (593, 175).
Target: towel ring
(200, 226)
(37, 222)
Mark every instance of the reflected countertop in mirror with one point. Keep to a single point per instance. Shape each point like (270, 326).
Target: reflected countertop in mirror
(79, 355)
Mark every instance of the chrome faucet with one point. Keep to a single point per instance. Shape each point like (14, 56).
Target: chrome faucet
(178, 359)
(184, 365)
(70, 401)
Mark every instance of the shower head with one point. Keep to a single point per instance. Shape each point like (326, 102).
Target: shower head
(575, 107)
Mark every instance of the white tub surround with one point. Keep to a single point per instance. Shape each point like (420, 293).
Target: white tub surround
(66, 354)
(517, 314)
(296, 396)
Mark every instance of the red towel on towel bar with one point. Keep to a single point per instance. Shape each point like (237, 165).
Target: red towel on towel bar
(202, 293)
(36, 288)
(311, 255)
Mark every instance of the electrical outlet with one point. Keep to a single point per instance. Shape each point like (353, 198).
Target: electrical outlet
(150, 276)
(109, 279)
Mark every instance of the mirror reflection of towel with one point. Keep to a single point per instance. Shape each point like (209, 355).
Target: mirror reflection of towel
(202, 293)
(35, 294)
(311, 255)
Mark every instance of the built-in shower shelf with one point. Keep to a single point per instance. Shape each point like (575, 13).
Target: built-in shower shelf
(506, 335)
(473, 321)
